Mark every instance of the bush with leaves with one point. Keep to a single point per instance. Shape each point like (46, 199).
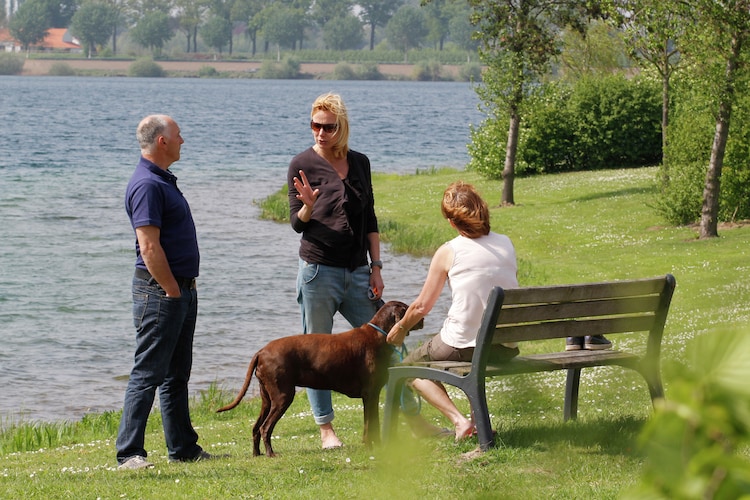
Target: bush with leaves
(427, 71)
(470, 72)
(61, 69)
(285, 70)
(690, 137)
(10, 64)
(146, 68)
(598, 122)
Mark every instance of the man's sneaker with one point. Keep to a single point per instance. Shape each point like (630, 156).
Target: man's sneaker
(597, 343)
(200, 457)
(134, 463)
(574, 343)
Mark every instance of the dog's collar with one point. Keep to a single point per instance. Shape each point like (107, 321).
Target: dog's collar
(378, 329)
(401, 352)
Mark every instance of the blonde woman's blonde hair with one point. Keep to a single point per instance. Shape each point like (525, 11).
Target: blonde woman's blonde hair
(469, 213)
(334, 104)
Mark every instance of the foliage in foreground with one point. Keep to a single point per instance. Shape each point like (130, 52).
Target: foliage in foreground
(696, 441)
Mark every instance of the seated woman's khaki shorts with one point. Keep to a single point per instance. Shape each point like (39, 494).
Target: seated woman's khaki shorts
(437, 350)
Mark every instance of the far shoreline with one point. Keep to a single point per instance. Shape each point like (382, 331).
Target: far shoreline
(119, 67)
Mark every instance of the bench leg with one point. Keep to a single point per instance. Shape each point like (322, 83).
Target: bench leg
(390, 414)
(476, 393)
(570, 410)
(650, 372)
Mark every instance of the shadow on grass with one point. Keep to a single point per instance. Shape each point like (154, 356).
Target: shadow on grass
(611, 437)
(616, 193)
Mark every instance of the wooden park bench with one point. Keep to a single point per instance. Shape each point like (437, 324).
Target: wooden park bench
(550, 312)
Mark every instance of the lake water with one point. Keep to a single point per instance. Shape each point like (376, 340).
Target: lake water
(67, 151)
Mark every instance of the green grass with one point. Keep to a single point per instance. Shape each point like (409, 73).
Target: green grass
(567, 228)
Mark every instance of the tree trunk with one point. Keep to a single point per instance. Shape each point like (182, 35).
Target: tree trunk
(372, 36)
(665, 112)
(509, 173)
(711, 192)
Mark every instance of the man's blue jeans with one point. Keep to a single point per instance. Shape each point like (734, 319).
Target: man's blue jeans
(321, 292)
(163, 359)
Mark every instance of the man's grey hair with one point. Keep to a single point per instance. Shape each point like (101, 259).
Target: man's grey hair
(149, 130)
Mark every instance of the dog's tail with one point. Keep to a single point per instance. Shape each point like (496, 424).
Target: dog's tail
(245, 386)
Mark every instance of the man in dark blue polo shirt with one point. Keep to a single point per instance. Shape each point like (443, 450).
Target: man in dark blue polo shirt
(165, 300)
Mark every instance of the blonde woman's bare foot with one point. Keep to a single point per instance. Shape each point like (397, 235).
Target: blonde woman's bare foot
(328, 437)
(464, 430)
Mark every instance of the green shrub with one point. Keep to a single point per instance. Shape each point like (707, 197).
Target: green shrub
(602, 122)
(146, 68)
(470, 72)
(284, 70)
(617, 122)
(207, 72)
(61, 69)
(548, 136)
(10, 64)
(487, 148)
(369, 71)
(343, 71)
(690, 139)
(427, 71)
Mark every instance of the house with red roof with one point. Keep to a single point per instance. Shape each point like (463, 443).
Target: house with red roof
(57, 40)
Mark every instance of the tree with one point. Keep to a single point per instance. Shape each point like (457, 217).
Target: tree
(152, 31)
(600, 51)
(281, 24)
(30, 23)
(190, 14)
(406, 29)
(246, 11)
(217, 32)
(653, 29)
(438, 16)
(518, 40)
(377, 13)
(716, 40)
(342, 33)
(324, 11)
(60, 12)
(93, 24)
(460, 29)
(118, 6)
(223, 9)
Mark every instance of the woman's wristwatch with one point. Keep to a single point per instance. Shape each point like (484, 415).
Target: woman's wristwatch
(376, 263)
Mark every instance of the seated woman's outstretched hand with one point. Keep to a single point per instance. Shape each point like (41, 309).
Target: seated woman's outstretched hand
(397, 334)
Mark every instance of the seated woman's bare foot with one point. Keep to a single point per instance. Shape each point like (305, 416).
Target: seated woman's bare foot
(328, 437)
(464, 430)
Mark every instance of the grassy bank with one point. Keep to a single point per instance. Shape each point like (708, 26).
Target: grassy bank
(567, 228)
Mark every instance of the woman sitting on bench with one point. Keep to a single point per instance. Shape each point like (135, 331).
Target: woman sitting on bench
(472, 263)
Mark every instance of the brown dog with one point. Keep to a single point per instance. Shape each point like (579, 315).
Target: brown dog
(354, 363)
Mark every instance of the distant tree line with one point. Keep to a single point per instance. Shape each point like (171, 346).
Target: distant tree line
(269, 25)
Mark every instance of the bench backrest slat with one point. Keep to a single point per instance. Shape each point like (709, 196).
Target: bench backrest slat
(572, 328)
(550, 312)
(578, 309)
